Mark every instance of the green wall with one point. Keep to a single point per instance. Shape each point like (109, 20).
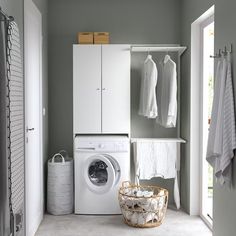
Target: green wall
(128, 21)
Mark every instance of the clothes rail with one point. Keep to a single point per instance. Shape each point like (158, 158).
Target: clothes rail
(158, 48)
(165, 48)
(224, 52)
(8, 18)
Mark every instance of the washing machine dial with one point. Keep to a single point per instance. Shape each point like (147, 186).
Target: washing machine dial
(101, 146)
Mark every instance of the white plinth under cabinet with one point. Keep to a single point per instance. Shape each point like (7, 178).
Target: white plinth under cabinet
(101, 89)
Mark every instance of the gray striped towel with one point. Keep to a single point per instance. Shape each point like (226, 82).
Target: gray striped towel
(222, 133)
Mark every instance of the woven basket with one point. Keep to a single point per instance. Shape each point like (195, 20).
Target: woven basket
(60, 184)
(143, 212)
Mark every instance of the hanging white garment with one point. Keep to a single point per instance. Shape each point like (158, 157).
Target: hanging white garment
(154, 159)
(148, 104)
(167, 98)
(222, 133)
(157, 159)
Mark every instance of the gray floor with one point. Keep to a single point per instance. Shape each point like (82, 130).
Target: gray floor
(176, 223)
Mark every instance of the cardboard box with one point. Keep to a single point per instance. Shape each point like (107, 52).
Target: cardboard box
(101, 38)
(85, 37)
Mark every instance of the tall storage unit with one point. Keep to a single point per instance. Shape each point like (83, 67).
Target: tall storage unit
(101, 89)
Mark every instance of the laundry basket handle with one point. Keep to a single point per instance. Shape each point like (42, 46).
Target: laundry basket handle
(64, 153)
(58, 154)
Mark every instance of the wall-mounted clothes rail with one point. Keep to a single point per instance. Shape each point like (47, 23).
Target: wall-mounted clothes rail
(165, 48)
(6, 17)
(158, 48)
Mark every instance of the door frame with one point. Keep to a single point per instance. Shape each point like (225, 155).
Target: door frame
(202, 142)
(30, 6)
(195, 108)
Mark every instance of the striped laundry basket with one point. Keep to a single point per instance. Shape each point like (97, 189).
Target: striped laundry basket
(60, 184)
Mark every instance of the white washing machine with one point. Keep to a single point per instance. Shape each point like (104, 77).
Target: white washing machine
(102, 163)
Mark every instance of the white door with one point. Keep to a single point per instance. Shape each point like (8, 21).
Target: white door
(115, 89)
(33, 105)
(87, 88)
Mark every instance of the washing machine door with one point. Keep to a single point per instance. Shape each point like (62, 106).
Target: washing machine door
(99, 173)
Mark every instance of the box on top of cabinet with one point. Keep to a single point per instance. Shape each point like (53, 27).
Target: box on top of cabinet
(85, 37)
(101, 38)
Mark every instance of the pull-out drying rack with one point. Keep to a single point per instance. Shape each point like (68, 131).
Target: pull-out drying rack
(158, 140)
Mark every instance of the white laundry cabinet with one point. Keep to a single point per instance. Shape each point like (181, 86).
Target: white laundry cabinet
(101, 89)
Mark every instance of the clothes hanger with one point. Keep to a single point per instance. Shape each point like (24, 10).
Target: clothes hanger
(167, 57)
(149, 56)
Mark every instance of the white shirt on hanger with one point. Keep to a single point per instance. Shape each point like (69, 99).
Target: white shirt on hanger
(167, 97)
(148, 103)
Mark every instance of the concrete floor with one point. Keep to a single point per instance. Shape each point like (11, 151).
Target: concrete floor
(176, 223)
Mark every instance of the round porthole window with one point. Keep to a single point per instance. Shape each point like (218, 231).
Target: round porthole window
(97, 172)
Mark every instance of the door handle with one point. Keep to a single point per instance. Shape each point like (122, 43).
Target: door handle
(29, 129)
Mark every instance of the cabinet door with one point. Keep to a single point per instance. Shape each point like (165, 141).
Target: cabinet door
(115, 89)
(87, 88)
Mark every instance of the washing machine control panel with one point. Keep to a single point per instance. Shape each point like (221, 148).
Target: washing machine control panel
(102, 146)
(112, 146)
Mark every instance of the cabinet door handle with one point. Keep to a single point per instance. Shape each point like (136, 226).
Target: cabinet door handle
(104, 89)
(98, 89)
